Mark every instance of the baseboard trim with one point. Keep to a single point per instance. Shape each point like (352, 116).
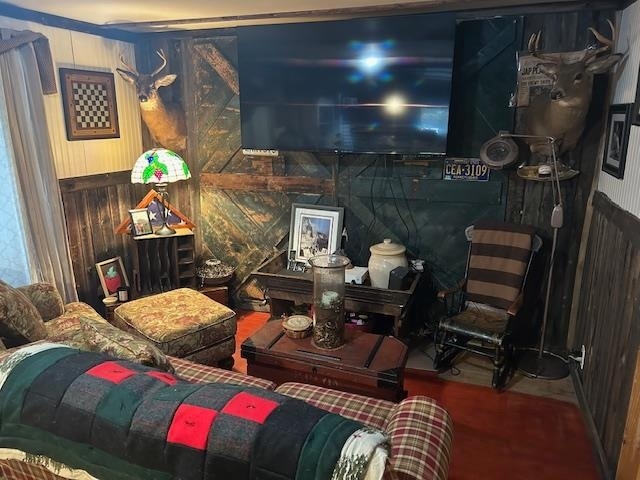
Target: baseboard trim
(603, 466)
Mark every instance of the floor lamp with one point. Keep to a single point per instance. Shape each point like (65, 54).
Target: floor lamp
(541, 363)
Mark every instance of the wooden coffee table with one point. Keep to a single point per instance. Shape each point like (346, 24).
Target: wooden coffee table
(367, 363)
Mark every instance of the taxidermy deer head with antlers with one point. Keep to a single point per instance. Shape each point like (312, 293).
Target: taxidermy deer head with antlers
(165, 121)
(562, 113)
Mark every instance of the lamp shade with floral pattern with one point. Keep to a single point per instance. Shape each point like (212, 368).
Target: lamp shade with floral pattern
(159, 165)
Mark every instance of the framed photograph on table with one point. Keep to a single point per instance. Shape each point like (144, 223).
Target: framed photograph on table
(112, 276)
(315, 230)
(140, 222)
(618, 127)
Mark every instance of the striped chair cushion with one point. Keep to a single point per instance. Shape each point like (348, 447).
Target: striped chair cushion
(498, 262)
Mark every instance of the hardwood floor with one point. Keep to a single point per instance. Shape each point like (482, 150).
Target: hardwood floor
(510, 435)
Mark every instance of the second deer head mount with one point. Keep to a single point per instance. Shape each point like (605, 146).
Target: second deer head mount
(165, 121)
(562, 113)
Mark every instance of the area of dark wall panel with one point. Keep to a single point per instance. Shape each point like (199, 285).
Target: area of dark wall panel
(483, 81)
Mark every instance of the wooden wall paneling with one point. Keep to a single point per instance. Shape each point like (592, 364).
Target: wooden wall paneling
(76, 245)
(608, 309)
(629, 462)
(531, 202)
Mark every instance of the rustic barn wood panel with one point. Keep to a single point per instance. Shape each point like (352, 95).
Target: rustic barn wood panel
(531, 202)
(607, 320)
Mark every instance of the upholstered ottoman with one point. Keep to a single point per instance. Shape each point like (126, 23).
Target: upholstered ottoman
(182, 323)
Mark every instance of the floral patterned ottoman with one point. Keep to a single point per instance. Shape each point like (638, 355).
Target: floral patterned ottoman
(182, 323)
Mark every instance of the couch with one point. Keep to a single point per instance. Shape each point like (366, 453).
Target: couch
(420, 431)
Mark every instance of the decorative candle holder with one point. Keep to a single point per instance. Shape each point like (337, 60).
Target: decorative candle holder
(328, 300)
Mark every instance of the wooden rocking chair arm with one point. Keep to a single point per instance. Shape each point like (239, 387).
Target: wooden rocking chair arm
(443, 294)
(514, 308)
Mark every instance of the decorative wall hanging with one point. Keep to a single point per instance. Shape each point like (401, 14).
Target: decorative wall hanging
(618, 126)
(89, 103)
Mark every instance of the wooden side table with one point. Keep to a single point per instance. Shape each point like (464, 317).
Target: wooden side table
(108, 310)
(219, 294)
(285, 288)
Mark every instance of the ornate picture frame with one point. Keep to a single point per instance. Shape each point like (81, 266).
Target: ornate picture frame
(315, 230)
(618, 127)
(112, 276)
(89, 104)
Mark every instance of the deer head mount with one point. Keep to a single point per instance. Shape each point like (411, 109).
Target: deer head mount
(562, 113)
(165, 121)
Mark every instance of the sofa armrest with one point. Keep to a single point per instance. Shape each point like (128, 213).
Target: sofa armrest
(199, 373)
(46, 299)
(421, 435)
(419, 430)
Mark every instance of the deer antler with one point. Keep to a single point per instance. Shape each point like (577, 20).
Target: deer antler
(534, 48)
(607, 43)
(164, 63)
(129, 68)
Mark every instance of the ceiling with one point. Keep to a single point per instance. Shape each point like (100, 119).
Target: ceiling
(166, 15)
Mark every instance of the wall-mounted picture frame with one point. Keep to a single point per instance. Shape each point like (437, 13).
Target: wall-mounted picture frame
(315, 230)
(112, 276)
(635, 114)
(618, 127)
(140, 222)
(89, 104)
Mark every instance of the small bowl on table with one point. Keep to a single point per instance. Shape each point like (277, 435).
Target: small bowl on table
(297, 326)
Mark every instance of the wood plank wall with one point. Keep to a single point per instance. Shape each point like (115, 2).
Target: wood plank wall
(531, 202)
(629, 463)
(607, 320)
(94, 206)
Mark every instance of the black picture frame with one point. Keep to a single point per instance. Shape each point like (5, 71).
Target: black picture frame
(618, 128)
(635, 115)
(89, 104)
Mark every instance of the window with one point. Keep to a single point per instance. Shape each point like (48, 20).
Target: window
(14, 260)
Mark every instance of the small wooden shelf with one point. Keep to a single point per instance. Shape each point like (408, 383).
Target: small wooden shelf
(163, 263)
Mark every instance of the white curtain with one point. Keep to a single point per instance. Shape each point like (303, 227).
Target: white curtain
(37, 191)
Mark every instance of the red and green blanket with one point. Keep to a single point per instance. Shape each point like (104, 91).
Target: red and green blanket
(121, 420)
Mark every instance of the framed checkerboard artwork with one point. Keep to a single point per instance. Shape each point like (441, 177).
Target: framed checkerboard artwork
(89, 102)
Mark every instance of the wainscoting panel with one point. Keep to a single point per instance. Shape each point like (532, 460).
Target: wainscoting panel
(607, 320)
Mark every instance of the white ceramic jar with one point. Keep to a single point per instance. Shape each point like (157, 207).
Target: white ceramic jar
(385, 257)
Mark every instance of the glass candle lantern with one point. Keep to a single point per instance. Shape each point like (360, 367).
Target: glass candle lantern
(328, 300)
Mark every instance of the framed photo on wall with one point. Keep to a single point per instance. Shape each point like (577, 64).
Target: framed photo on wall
(618, 127)
(112, 276)
(140, 222)
(315, 230)
(89, 104)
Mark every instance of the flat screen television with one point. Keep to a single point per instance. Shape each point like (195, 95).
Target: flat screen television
(368, 85)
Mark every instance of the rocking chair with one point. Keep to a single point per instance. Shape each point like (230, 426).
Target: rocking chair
(482, 309)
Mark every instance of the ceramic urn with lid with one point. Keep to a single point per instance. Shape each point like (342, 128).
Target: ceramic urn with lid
(385, 257)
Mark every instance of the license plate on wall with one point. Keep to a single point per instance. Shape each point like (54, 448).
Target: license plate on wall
(469, 169)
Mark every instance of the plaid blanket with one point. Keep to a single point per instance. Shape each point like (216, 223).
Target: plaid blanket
(121, 420)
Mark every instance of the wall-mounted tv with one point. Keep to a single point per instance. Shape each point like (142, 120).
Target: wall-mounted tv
(369, 85)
